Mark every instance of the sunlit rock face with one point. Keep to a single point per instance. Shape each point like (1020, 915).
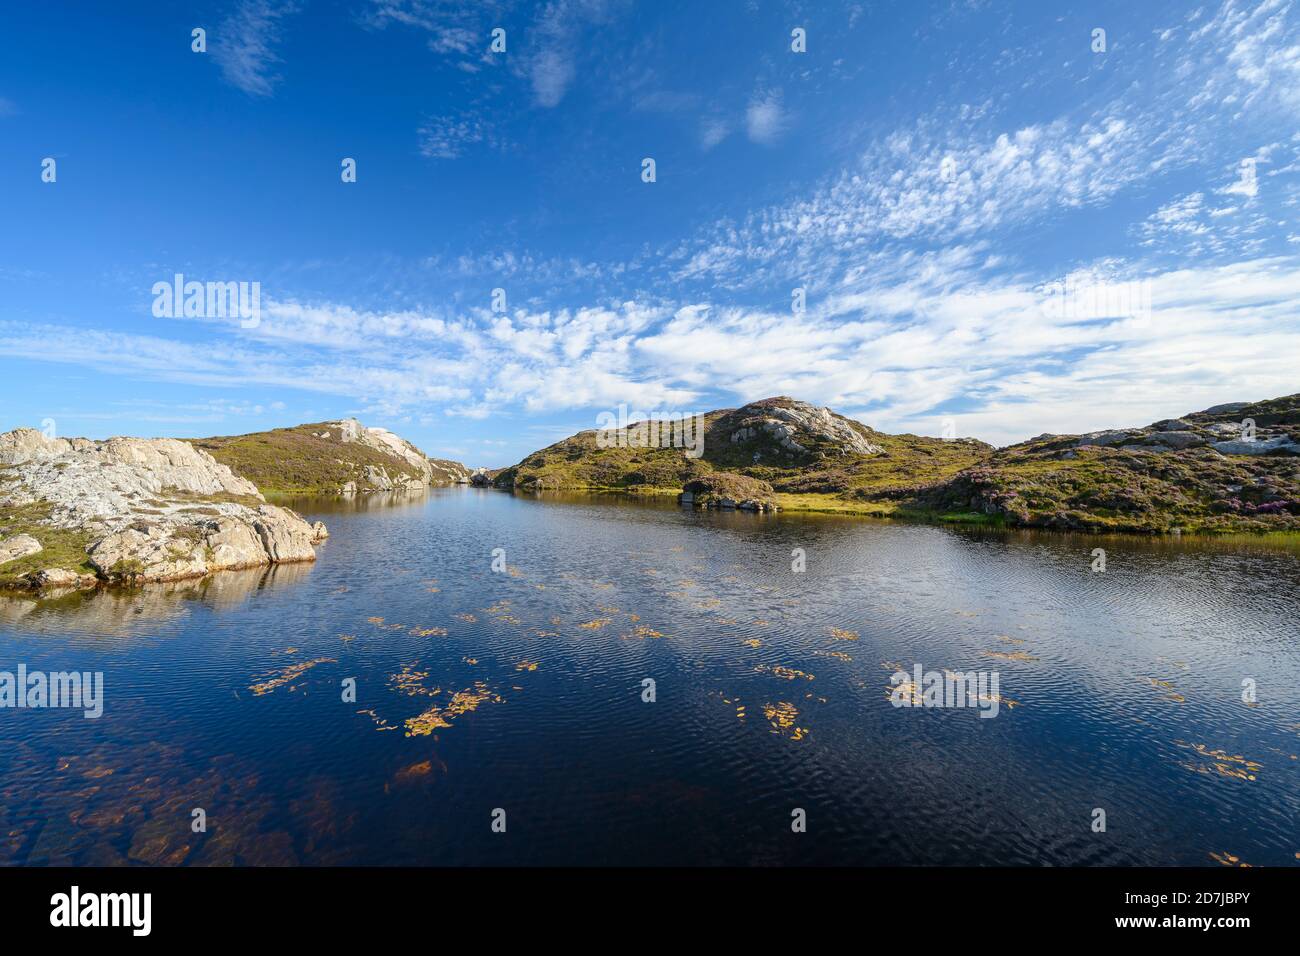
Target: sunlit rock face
(150, 509)
(797, 429)
(377, 477)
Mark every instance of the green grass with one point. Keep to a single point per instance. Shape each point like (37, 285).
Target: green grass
(61, 548)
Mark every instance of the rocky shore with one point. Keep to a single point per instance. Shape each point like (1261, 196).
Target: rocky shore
(76, 513)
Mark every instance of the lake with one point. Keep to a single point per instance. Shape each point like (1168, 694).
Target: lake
(1119, 691)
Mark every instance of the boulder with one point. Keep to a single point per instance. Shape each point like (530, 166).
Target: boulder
(59, 578)
(1107, 438)
(1176, 439)
(19, 546)
(723, 489)
(1280, 444)
(284, 535)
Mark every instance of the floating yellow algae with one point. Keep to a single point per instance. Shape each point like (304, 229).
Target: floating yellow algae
(752, 642)
(642, 632)
(906, 691)
(1010, 640)
(838, 655)
(840, 634)
(762, 623)
(1221, 762)
(380, 723)
(597, 624)
(541, 633)
(526, 666)
(346, 638)
(498, 608)
(375, 620)
(290, 650)
(429, 631)
(782, 716)
(1227, 859)
(967, 613)
(1166, 689)
(287, 676)
(461, 703)
(1010, 655)
(708, 604)
(785, 673)
(981, 699)
(468, 618)
(410, 682)
(607, 610)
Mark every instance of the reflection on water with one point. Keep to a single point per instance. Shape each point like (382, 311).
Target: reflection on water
(119, 612)
(525, 689)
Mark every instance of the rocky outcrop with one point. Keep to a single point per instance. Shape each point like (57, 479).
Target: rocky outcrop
(785, 428)
(147, 509)
(1201, 430)
(729, 491)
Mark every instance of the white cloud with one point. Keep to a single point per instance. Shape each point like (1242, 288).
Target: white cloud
(713, 131)
(448, 137)
(244, 45)
(906, 345)
(765, 119)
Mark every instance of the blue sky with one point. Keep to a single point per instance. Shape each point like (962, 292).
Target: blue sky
(932, 174)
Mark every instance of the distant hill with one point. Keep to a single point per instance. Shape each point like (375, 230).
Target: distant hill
(340, 457)
(796, 447)
(1205, 471)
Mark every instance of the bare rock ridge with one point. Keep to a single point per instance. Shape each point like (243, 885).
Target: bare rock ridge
(133, 510)
(798, 429)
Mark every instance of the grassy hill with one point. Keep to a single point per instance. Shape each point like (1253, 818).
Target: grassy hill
(328, 458)
(809, 456)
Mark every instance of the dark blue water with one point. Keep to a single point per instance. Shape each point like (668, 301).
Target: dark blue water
(1126, 687)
